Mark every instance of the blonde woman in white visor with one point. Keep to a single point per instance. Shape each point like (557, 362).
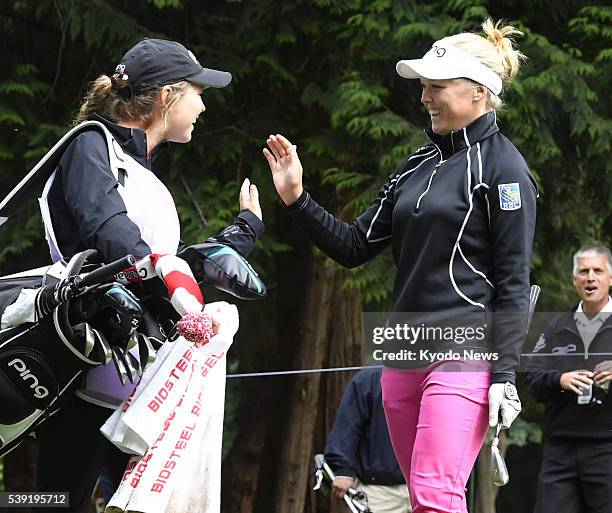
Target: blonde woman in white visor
(459, 214)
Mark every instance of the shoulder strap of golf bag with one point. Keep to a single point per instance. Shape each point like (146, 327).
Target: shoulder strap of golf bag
(33, 182)
(119, 161)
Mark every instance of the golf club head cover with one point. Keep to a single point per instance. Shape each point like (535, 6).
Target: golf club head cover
(184, 293)
(185, 296)
(504, 404)
(110, 308)
(224, 268)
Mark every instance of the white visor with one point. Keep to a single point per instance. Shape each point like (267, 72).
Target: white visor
(444, 61)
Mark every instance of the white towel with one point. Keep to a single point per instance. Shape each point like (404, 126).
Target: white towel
(173, 424)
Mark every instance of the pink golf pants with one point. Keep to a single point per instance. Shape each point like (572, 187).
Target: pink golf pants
(438, 420)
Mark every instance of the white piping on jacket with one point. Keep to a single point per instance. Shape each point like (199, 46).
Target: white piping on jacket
(431, 177)
(486, 197)
(394, 182)
(465, 220)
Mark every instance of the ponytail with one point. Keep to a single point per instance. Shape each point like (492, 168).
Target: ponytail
(496, 51)
(103, 97)
(501, 38)
(98, 99)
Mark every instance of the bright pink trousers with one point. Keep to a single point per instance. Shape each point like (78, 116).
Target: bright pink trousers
(438, 420)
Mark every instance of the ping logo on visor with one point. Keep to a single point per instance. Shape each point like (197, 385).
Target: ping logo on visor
(509, 196)
(438, 51)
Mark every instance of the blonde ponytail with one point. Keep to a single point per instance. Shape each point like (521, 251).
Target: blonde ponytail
(496, 51)
(501, 38)
(97, 98)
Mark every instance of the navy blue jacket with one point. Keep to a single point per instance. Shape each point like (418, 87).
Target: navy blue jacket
(359, 444)
(87, 211)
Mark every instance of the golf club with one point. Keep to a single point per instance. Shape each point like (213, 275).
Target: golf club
(145, 351)
(499, 470)
(133, 364)
(132, 374)
(119, 365)
(102, 348)
(90, 339)
(132, 340)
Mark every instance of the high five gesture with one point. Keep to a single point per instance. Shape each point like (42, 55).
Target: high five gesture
(286, 168)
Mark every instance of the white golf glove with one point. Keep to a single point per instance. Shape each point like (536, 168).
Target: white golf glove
(504, 404)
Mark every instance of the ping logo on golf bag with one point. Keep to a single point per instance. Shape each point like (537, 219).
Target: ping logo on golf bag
(39, 391)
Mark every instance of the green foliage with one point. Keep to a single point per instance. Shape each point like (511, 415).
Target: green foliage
(520, 434)
(161, 4)
(322, 72)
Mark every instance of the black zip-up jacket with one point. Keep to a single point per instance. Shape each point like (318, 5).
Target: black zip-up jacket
(359, 443)
(87, 211)
(564, 418)
(460, 216)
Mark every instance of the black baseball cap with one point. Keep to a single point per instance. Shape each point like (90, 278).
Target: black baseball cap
(153, 63)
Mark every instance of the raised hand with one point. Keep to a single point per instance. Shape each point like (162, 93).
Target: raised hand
(249, 198)
(285, 166)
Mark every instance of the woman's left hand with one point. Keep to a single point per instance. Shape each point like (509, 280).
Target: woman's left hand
(249, 198)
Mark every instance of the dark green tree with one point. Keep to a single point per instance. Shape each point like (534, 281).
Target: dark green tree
(322, 73)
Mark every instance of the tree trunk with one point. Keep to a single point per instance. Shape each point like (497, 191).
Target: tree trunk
(296, 445)
(344, 349)
(284, 421)
(259, 348)
(242, 467)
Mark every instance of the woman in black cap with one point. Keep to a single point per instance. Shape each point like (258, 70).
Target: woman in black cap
(104, 195)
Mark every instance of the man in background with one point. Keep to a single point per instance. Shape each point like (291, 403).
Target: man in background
(571, 372)
(359, 450)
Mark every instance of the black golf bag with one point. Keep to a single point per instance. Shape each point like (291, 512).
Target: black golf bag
(48, 340)
(57, 323)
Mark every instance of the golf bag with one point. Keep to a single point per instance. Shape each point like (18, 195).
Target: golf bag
(48, 340)
(57, 324)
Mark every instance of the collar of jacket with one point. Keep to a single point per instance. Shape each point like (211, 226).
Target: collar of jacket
(454, 142)
(567, 322)
(132, 140)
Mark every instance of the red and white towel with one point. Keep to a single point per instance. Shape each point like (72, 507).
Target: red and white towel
(173, 424)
